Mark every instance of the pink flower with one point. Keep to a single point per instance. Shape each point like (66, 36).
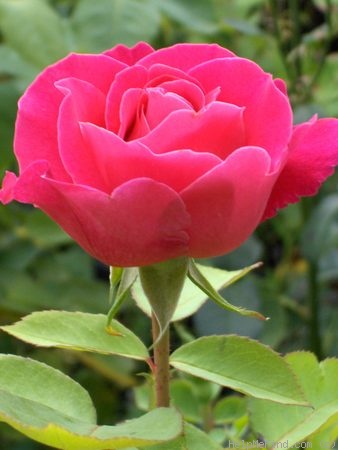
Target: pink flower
(144, 155)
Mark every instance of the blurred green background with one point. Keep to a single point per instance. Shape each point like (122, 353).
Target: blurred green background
(41, 268)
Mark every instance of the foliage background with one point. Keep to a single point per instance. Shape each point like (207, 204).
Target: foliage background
(40, 268)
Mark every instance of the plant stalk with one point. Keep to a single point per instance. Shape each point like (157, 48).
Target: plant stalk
(161, 370)
(315, 338)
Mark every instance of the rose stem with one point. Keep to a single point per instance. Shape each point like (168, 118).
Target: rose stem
(161, 359)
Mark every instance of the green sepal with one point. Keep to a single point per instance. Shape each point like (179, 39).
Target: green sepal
(163, 283)
(196, 276)
(115, 275)
(121, 280)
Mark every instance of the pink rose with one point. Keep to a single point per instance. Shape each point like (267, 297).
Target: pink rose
(144, 155)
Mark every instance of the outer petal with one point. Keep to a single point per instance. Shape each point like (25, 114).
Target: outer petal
(118, 162)
(8, 185)
(131, 55)
(313, 154)
(267, 116)
(185, 56)
(142, 222)
(227, 203)
(31, 187)
(83, 102)
(217, 129)
(281, 85)
(36, 130)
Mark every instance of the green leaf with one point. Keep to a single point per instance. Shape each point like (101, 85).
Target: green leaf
(101, 25)
(240, 364)
(184, 398)
(162, 284)
(191, 396)
(34, 30)
(192, 297)
(144, 394)
(327, 434)
(50, 408)
(77, 331)
(319, 383)
(193, 439)
(121, 280)
(31, 383)
(229, 409)
(201, 280)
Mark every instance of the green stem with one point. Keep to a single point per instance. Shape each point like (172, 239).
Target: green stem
(315, 339)
(161, 359)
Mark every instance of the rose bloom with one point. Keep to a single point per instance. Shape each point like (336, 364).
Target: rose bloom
(143, 155)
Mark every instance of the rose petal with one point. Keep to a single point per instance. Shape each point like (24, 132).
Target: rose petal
(160, 104)
(82, 102)
(118, 162)
(267, 116)
(27, 186)
(129, 110)
(217, 129)
(138, 77)
(187, 90)
(140, 126)
(281, 85)
(212, 95)
(141, 223)
(132, 77)
(185, 56)
(313, 154)
(32, 187)
(130, 56)
(36, 130)
(227, 203)
(8, 185)
(143, 109)
(162, 73)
